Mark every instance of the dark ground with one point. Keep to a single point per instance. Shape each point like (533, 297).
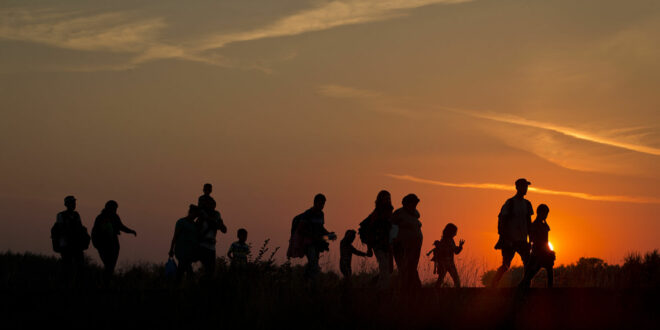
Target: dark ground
(473, 308)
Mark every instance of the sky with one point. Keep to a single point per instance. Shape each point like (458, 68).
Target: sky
(275, 101)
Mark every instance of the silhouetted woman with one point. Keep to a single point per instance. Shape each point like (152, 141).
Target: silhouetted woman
(375, 232)
(105, 232)
(407, 245)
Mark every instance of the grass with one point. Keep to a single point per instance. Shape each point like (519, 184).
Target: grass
(270, 295)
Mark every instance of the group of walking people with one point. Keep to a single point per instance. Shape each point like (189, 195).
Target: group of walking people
(392, 236)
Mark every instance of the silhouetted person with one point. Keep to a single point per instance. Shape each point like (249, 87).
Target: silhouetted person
(346, 252)
(407, 245)
(209, 222)
(513, 227)
(375, 233)
(542, 256)
(185, 241)
(107, 228)
(239, 251)
(308, 236)
(206, 199)
(443, 255)
(70, 238)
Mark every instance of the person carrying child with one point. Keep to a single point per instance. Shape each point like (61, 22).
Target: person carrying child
(239, 250)
(542, 256)
(443, 255)
(346, 252)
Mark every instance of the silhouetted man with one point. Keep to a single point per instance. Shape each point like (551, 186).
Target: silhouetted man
(407, 245)
(513, 227)
(105, 236)
(70, 238)
(309, 227)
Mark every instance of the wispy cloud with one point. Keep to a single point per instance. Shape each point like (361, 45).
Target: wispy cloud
(114, 31)
(568, 131)
(127, 32)
(509, 187)
(339, 91)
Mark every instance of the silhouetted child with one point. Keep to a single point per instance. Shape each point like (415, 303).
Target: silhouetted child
(542, 256)
(346, 252)
(239, 250)
(443, 255)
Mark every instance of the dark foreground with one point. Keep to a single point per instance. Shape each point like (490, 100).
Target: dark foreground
(317, 308)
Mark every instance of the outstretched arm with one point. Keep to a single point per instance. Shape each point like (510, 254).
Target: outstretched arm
(174, 237)
(125, 229)
(358, 252)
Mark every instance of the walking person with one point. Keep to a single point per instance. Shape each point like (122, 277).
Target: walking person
(542, 256)
(208, 222)
(308, 236)
(513, 227)
(407, 245)
(105, 236)
(346, 252)
(184, 242)
(70, 238)
(375, 233)
(443, 255)
(239, 251)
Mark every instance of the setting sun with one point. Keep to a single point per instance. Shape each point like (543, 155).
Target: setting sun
(550, 246)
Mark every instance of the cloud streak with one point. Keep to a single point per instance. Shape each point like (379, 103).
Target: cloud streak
(125, 32)
(581, 135)
(497, 186)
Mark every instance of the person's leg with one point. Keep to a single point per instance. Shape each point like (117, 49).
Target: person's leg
(507, 257)
(454, 275)
(416, 250)
(384, 259)
(530, 271)
(312, 267)
(442, 272)
(550, 274)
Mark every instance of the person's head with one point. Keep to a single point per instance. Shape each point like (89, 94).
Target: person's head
(208, 188)
(242, 235)
(436, 243)
(111, 207)
(350, 236)
(70, 203)
(319, 202)
(542, 212)
(450, 230)
(383, 199)
(521, 186)
(193, 211)
(410, 202)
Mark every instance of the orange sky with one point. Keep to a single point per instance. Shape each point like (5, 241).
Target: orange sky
(273, 103)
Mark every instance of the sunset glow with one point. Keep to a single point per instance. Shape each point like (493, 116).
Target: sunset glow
(273, 102)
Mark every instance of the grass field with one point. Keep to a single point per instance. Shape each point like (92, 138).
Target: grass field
(269, 296)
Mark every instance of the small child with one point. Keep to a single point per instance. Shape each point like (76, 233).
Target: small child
(542, 256)
(346, 252)
(443, 255)
(239, 250)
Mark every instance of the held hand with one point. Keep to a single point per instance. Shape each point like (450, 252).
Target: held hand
(461, 242)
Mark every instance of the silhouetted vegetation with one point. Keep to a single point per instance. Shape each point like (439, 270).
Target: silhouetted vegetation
(269, 295)
(637, 271)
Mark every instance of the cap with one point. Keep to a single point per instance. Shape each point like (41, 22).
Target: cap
(69, 199)
(522, 181)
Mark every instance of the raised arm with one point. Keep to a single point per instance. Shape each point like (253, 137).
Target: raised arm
(459, 248)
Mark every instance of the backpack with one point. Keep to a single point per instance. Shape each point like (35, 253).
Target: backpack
(366, 232)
